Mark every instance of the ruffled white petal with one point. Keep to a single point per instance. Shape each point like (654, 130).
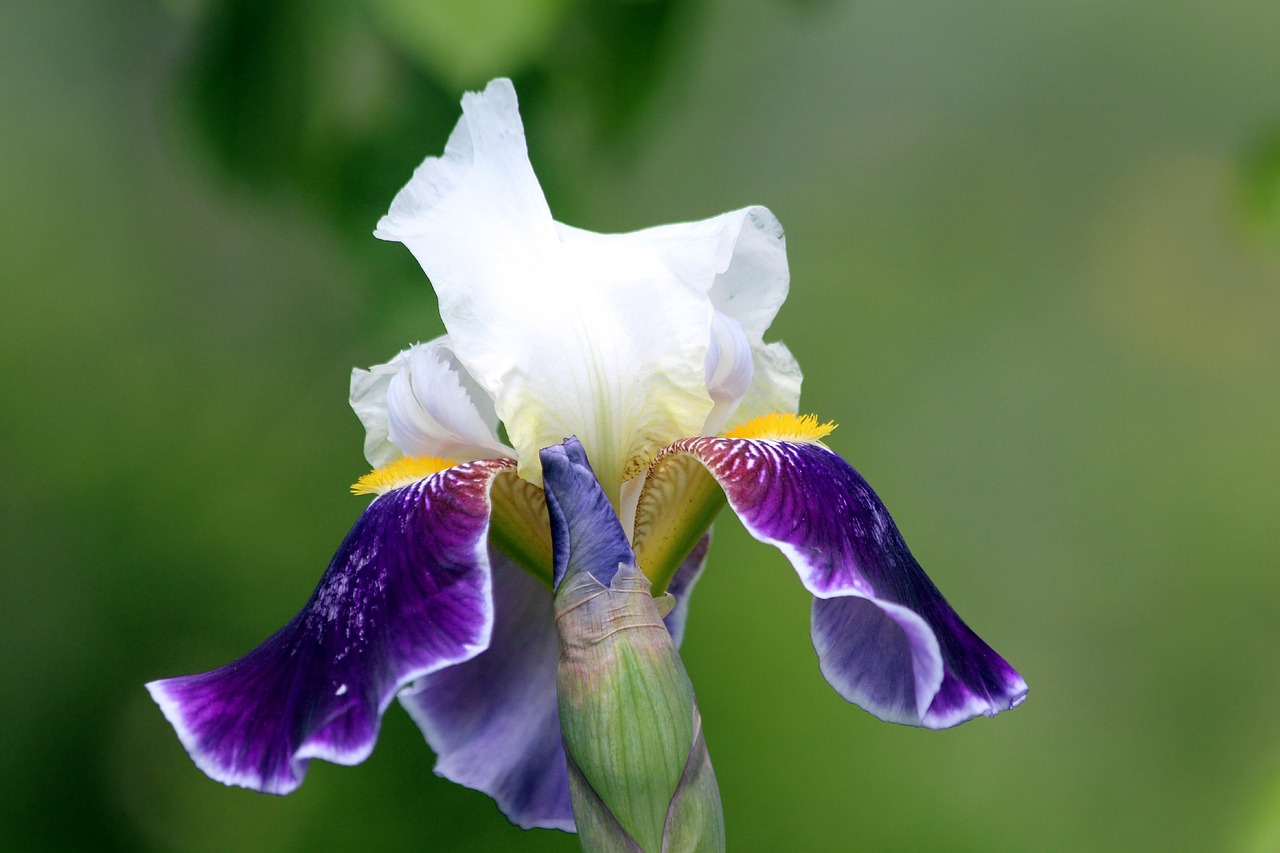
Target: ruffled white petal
(571, 333)
(775, 385)
(754, 283)
(423, 403)
(739, 259)
(369, 402)
(729, 370)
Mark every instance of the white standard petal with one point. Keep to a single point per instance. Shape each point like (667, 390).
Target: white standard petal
(754, 278)
(747, 296)
(729, 370)
(775, 385)
(750, 281)
(739, 259)
(592, 337)
(603, 337)
(423, 403)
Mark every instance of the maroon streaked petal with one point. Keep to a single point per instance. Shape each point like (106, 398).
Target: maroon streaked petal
(493, 720)
(886, 638)
(407, 593)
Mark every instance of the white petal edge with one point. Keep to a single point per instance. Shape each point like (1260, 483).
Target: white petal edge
(597, 339)
(423, 403)
(775, 385)
(749, 281)
(926, 664)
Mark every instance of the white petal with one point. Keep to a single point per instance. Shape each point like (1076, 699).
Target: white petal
(754, 285)
(775, 385)
(739, 258)
(369, 402)
(748, 252)
(729, 370)
(489, 136)
(604, 337)
(423, 403)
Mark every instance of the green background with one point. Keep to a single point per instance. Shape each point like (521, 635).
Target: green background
(1035, 253)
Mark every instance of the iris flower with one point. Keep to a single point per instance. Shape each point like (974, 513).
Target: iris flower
(649, 348)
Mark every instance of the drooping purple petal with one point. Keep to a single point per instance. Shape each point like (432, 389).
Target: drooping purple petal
(492, 721)
(886, 638)
(575, 503)
(407, 593)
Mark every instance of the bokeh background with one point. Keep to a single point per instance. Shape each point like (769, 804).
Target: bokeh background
(1036, 279)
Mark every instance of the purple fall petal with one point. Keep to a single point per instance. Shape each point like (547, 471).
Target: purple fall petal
(492, 720)
(407, 593)
(886, 638)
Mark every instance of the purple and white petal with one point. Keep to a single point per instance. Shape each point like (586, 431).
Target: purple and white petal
(886, 638)
(492, 721)
(407, 593)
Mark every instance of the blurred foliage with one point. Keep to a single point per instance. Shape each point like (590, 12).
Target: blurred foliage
(1262, 833)
(334, 100)
(467, 43)
(1019, 285)
(300, 94)
(1261, 183)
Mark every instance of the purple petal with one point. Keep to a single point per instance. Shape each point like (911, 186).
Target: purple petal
(493, 720)
(407, 593)
(886, 638)
(585, 530)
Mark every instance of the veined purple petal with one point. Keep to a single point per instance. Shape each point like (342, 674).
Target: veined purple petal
(886, 638)
(407, 593)
(493, 721)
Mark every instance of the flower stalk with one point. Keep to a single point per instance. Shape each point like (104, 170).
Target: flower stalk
(640, 776)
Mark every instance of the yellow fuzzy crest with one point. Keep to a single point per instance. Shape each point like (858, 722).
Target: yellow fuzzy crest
(402, 472)
(781, 426)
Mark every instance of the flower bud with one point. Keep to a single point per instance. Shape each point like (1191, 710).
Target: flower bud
(640, 775)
